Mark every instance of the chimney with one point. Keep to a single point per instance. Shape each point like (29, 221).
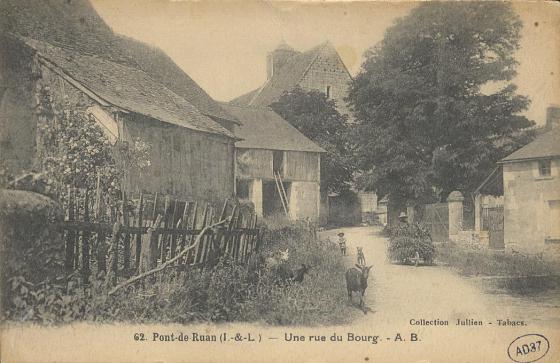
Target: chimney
(278, 57)
(552, 117)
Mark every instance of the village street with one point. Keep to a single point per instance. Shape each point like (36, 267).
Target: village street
(397, 293)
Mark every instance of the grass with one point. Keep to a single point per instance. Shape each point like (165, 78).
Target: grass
(225, 293)
(483, 262)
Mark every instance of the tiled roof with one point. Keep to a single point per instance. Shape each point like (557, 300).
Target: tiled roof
(544, 146)
(244, 99)
(127, 87)
(284, 79)
(158, 64)
(262, 128)
(76, 26)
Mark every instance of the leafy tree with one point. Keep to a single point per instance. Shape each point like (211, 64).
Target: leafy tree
(316, 116)
(426, 123)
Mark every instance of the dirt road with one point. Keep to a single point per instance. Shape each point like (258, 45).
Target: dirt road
(398, 292)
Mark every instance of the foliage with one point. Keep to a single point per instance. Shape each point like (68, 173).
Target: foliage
(407, 239)
(426, 119)
(74, 149)
(227, 291)
(316, 116)
(469, 260)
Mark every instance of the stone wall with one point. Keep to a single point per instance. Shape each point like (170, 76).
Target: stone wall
(31, 245)
(18, 122)
(305, 200)
(329, 71)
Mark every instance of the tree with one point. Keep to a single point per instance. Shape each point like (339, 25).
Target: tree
(426, 123)
(316, 116)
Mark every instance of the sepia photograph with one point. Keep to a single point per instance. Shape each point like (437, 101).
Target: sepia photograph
(279, 181)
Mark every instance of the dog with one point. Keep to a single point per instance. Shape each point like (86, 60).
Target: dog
(361, 257)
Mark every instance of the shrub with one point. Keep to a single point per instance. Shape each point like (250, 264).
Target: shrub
(471, 261)
(407, 239)
(227, 291)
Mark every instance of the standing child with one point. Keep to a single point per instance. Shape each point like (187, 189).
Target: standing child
(342, 243)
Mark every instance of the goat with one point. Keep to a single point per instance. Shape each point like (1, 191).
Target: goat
(299, 273)
(356, 281)
(361, 257)
(281, 257)
(285, 275)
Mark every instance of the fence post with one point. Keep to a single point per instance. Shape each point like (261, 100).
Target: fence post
(455, 207)
(85, 242)
(148, 254)
(111, 276)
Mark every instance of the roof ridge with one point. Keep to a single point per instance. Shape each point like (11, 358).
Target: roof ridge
(215, 126)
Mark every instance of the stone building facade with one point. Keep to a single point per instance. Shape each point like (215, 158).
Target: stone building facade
(319, 68)
(531, 180)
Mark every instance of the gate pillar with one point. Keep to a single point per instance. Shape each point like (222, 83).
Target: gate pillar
(455, 206)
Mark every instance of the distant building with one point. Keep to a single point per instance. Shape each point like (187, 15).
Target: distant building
(278, 169)
(531, 183)
(319, 68)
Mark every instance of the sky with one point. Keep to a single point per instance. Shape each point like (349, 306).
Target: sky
(223, 45)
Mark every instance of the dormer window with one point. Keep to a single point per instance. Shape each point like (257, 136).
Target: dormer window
(544, 167)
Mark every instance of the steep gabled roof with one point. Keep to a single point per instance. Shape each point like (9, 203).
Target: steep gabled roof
(284, 79)
(262, 128)
(126, 87)
(244, 99)
(75, 25)
(544, 146)
(158, 64)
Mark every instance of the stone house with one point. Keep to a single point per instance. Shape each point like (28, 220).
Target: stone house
(319, 68)
(531, 184)
(277, 167)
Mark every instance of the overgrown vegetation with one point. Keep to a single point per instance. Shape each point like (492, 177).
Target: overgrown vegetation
(405, 240)
(226, 292)
(471, 261)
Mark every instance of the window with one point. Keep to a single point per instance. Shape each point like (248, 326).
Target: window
(544, 168)
(328, 92)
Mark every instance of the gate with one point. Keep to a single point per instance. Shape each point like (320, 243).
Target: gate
(436, 218)
(493, 222)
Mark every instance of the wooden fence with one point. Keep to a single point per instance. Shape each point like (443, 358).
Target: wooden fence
(493, 222)
(138, 234)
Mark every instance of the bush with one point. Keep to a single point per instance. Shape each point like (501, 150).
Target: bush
(471, 261)
(227, 291)
(407, 239)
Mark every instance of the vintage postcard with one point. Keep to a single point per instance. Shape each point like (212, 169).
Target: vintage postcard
(274, 181)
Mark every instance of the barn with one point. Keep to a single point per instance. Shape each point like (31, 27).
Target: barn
(277, 167)
(192, 153)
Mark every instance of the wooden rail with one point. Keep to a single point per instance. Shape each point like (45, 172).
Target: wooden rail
(132, 236)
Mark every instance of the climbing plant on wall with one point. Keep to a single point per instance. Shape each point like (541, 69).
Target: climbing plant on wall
(73, 150)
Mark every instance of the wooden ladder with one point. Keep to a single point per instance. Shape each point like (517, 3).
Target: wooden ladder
(282, 193)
